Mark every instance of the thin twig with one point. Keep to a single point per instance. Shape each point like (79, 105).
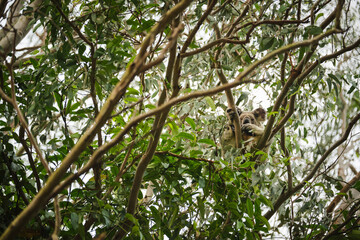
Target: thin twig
(161, 57)
(283, 197)
(345, 189)
(183, 157)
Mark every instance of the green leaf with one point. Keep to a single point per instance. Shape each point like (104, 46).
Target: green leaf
(249, 208)
(207, 141)
(34, 63)
(58, 99)
(130, 99)
(265, 201)
(352, 88)
(106, 216)
(243, 97)
(73, 107)
(318, 16)
(341, 194)
(174, 127)
(354, 234)
(201, 207)
(335, 78)
(357, 186)
(195, 153)
(131, 218)
(283, 7)
(249, 222)
(314, 30)
(264, 220)
(227, 67)
(191, 122)
(336, 89)
(266, 43)
(131, 91)
(211, 103)
(329, 84)
(75, 220)
(301, 53)
(156, 215)
(202, 182)
(246, 164)
(173, 217)
(186, 136)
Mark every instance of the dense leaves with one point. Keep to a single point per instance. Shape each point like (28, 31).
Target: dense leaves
(123, 105)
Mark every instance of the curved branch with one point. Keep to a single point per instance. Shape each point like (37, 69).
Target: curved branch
(24, 123)
(295, 74)
(345, 189)
(282, 198)
(198, 24)
(118, 138)
(306, 73)
(238, 81)
(41, 199)
(183, 157)
(247, 39)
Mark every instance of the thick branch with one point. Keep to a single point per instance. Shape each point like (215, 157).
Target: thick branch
(289, 83)
(43, 196)
(100, 151)
(296, 73)
(231, 104)
(18, 31)
(118, 138)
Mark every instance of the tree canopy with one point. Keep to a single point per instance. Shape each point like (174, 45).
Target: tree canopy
(112, 111)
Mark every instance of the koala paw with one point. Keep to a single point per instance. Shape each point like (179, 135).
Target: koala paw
(247, 129)
(231, 113)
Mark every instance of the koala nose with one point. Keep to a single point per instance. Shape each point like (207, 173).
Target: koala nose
(228, 110)
(246, 120)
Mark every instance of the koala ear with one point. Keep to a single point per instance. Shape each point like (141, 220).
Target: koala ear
(260, 114)
(229, 110)
(239, 111)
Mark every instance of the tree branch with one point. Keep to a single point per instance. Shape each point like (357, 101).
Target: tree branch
(18, 31)
(23, 121)
(183, 157)
(238, 81)
(345, 189)
(247, 38)
(44, 195)
(283, 197)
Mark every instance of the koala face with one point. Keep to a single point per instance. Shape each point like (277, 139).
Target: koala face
(255, 117)
(247, 117)
(250, 123)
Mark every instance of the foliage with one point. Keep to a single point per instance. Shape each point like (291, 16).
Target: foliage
(106, 102)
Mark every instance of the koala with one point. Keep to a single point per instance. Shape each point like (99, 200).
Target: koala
(251, 124)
